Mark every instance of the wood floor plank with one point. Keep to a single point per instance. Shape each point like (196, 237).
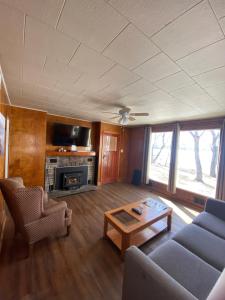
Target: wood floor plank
(82, 266)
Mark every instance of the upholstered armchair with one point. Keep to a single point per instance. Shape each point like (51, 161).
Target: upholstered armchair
(35, 216)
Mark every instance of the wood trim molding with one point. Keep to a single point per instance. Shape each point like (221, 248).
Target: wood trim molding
(70, 153)
(209, 123)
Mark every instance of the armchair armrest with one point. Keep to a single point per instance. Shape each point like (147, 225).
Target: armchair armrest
(216, 208)
(45, 226)
(144, 279)
(54, 208)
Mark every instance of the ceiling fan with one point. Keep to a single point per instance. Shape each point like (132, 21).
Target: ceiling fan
(124, 115)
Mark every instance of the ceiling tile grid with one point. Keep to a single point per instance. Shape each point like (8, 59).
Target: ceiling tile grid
(156, 68)
(192, 31)
(83, 57)
(131, 48)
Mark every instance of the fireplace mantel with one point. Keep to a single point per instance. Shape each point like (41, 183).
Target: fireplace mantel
(70, 153)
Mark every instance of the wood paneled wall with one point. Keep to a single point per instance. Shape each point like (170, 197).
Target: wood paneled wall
(136, 139)
(3, 112)
(27, 143)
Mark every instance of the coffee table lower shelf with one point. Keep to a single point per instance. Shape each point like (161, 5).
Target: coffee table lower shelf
(138, 238)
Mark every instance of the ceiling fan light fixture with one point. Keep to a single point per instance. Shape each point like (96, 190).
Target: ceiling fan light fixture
(123, 121)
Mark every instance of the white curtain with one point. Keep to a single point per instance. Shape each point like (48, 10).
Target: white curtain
(220, 188)
(147, 155)
(173, 159)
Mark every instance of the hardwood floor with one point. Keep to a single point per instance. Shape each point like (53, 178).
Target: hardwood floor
(82, 266)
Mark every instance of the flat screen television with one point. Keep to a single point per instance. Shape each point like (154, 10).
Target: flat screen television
(68, 135)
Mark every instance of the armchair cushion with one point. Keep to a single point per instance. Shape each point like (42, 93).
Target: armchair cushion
(53, 206)
(211, 223)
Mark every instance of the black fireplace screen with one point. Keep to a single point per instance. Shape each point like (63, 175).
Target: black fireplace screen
(71, 177)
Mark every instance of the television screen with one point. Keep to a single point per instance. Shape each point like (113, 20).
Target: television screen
(68, 135)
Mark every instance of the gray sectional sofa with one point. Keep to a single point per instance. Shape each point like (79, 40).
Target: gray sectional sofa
(189, 266)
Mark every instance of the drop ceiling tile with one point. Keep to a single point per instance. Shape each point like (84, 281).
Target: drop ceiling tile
(138, 88)
(92, 22)
(61, 71)
(174, 82)
(118, 77)
(217, 91)
(205, 59)
(128, 100)
(182, 36)
(219, 7)
(70, 100)
(109, 95)
(90, 61)
(161, 98)
(188, 93)
(31, 75)
(41, 93)
(41, 39)
(45, 10)
(151, 16)
(203, 102)
(156, 68)
(69, 87)
(222, 23)
(11, 25)
(212, 77)
(11, 67)
(131, 48)
(85, 84)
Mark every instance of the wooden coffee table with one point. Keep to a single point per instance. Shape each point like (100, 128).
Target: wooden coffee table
(129, 228)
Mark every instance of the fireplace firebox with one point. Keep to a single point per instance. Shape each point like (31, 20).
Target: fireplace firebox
(67, 178)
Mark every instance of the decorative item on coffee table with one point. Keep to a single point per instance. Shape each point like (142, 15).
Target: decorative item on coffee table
(136, 223)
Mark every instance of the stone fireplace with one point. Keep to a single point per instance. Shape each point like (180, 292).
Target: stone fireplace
(68, 174)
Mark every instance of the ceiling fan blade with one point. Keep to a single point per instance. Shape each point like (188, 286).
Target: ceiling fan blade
(114, 117)
(131, 118)
(111, 113)
(140, 114)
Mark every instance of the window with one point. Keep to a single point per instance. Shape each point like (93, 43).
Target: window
(160, 156)
(198, 161)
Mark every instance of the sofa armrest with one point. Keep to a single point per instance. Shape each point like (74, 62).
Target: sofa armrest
(144, 279)
(217, 293)
(54, 208)
(216, 208)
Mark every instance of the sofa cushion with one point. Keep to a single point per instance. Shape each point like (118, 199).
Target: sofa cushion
(204, 244)
(211, 223)
(193, 273)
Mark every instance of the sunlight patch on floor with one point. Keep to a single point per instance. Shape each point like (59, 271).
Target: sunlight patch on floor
(179, 212)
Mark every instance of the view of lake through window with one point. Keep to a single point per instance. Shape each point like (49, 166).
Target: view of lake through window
(198, 161)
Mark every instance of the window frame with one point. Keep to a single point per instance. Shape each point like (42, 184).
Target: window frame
(204, 124)
(150, 145)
